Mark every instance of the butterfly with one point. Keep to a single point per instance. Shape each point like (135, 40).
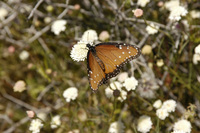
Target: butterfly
(105, 60)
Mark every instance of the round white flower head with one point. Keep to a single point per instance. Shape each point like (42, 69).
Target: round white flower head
(157, 104)
(24, 55)
(183, 125)
(169, 105)
(79, 51)
(36, 125)
(147, 49)
(123, 96)
(3, 13)
(144, 124)
(162, 113)
(152, 29)
(130, 83)
(197, 49)
(142, 3)
(160, 62)
(195, 14)
(177, 12)
(196, 58)
(116, 127)
(172, 4)
(55, 122)
(74, 131)
(178, 132)
(19, 86)
(89, 36)
(70, 94)
(114, 85)
(122, 76)
(104, 35)
(58, 26)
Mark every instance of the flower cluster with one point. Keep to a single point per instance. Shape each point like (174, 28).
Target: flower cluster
(144, 124)
(167, 107)
(196, 56)
(116, 127)
(58, 26)
(176, 10)
(79, 50)
(19, 86)
(152, 29)
(36, 125)
(55, 122)
(182, 126)
(70, 94)
(130, 83)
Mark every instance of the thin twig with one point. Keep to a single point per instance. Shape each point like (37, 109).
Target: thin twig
(35, 8)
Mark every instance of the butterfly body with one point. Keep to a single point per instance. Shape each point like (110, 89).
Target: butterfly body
(106, 59)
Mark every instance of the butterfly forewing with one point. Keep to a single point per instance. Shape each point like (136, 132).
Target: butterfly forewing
(115, 55)
(95, 73)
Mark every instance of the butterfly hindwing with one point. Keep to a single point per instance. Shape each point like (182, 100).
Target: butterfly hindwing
(95, 73)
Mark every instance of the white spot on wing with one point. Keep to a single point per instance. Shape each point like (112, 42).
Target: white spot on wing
(120, 46)
(119, 56)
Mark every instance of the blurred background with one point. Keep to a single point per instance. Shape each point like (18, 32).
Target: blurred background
(36, 38)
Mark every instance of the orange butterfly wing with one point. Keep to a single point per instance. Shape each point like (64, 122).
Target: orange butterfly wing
(95, 72)
(107, 60)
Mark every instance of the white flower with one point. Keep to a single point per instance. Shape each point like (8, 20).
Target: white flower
(160, 62)
(55, 122)
(169, 105)
(130, 83)
(196, 58)
(19, 86)
(70, 94)
(177, 12)
(89, 36)
(183, 125)
(104, 35)
(116, 127)
(195, 14)
(162, 113)
(3, 13)
(144, 124)
(109, 92)
(123, 95)
(58, 26)
(197, 49)
(47, 20)
(74, 131)
(36, 125)
(157, 104)
(152, 29)
(24, 55)
(178, 131)
(171, 4)
(116, 86)
(147, 49)
(142, 3)
(79, 51)
(122, 76)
